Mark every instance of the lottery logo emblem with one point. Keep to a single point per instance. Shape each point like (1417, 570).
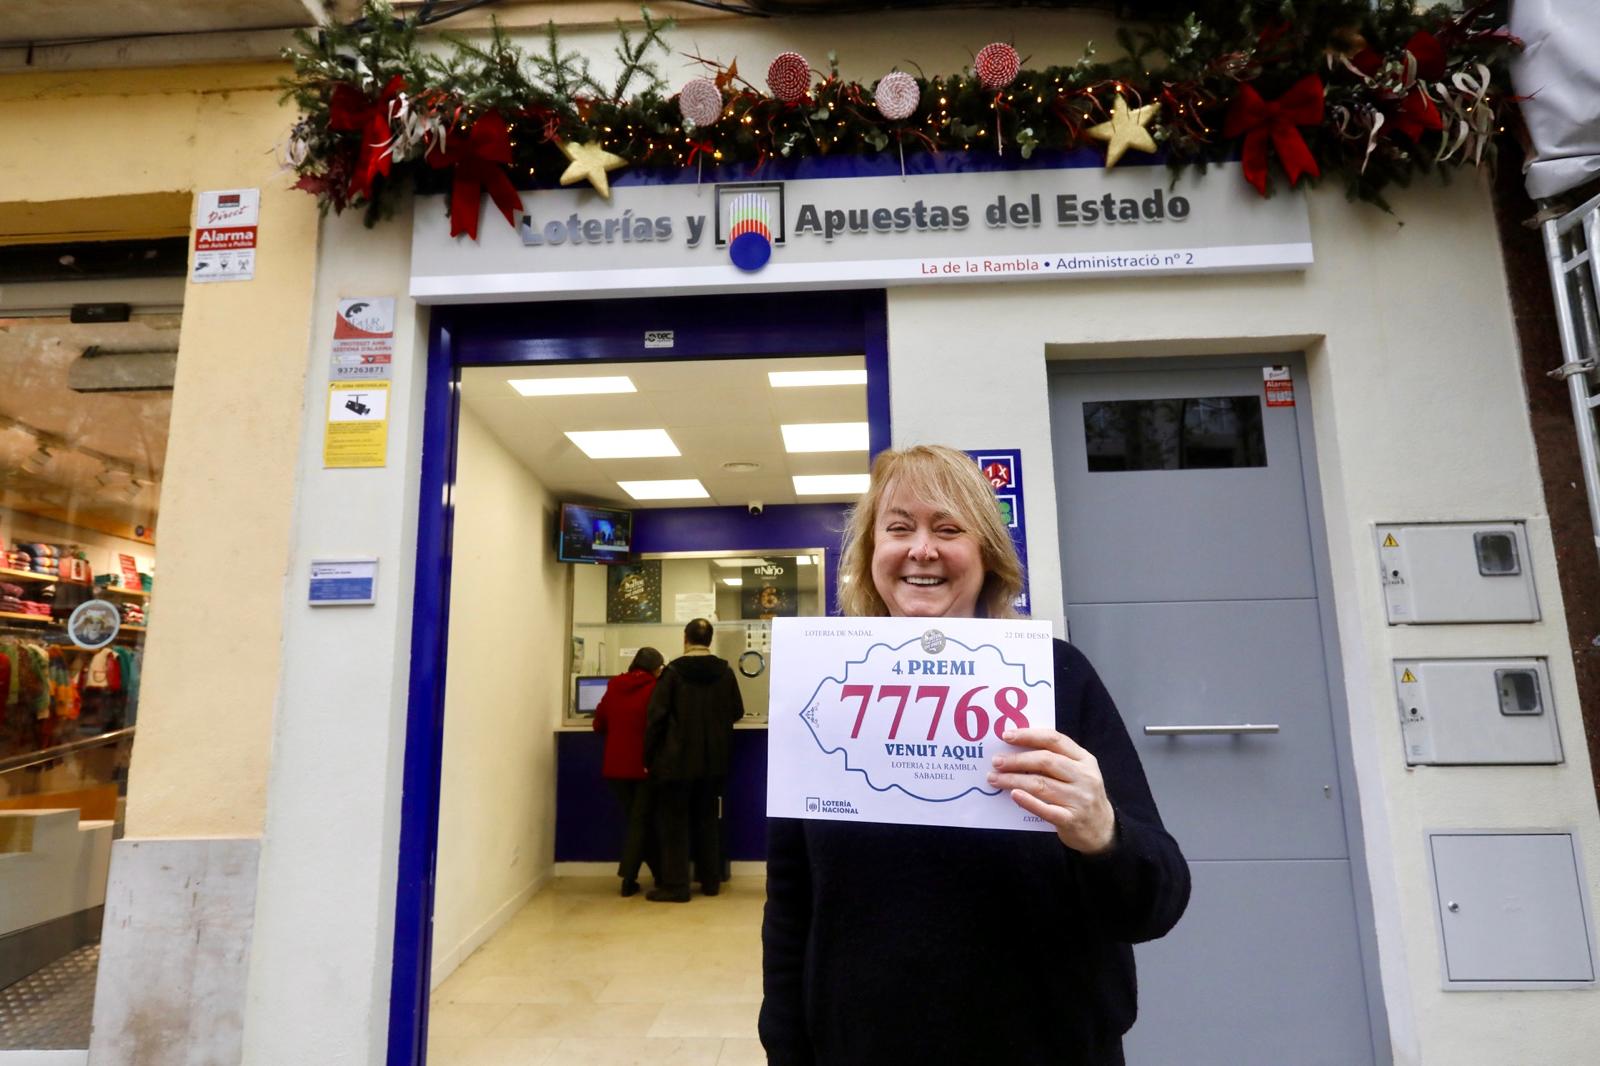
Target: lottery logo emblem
(750, 231)
(999, 474)
(933, 642)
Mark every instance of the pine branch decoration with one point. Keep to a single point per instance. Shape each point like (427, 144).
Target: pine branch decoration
(1386, 120)
(635, 60)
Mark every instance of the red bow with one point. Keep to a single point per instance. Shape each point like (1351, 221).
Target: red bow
(698, 148)
(350, 109)
(479, 158)
(1429, 55)
(1257, 120)
(1416, 115)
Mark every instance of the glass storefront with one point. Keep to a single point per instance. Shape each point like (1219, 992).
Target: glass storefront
(84, 410)
(618, 609)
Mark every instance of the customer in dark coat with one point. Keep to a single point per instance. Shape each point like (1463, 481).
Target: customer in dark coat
(692, 711)
(621, 717)
(948, 946)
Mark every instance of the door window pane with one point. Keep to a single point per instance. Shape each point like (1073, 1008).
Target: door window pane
(1187, 433)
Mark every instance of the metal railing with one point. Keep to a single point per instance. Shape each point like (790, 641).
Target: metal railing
(1572, 243)
(34, 758)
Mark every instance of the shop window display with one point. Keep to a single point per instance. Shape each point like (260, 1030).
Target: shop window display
(82, 446)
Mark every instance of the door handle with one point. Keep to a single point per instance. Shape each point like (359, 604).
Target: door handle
(1207, 730)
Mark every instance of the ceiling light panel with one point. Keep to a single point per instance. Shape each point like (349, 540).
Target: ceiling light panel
(802, 379)
(571, 386)
(825, 437)
(734, 581)
(675, 489)
(624, 443)
(831, 484)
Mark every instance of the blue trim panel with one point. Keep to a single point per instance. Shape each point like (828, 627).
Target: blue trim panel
(877, 352)
(705, 327)
(734, 326)
(419, 798)
(789, 525)
(589, 824)
(878, 165)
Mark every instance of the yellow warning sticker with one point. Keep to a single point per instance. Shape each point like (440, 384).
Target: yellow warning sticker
(1408, 678)
(1390, 542)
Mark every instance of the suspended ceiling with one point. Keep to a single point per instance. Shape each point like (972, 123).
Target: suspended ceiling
(81, 430)
(715, 412)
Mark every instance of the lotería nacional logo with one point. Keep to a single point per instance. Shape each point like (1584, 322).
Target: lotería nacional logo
(933, 642)
(750, 222)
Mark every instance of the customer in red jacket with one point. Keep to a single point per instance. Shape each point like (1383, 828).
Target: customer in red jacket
(620, 717)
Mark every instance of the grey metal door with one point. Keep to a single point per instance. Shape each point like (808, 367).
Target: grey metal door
(1191, 574)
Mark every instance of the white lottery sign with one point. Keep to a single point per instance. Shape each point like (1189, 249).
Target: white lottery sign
(896, 719)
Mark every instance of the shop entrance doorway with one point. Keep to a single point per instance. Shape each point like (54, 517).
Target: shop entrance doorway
(559, 551)
(1196, 581)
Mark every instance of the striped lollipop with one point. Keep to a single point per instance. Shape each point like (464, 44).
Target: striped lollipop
(700, 101)
(997, 65)
(897, 95)
(789, 77)
(750, 231)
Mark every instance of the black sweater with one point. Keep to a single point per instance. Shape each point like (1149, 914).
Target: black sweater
(887, 944)
(694, 705)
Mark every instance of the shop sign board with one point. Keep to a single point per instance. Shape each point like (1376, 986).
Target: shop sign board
(225, 235)
(858, 232)
(898, 719)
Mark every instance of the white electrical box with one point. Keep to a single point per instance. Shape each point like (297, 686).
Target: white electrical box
(1457, 572)
(1476, 712)
(1513, 910)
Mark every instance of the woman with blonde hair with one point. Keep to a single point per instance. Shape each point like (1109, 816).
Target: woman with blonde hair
(898, 943)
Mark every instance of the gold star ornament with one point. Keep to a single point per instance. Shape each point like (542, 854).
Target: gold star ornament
(1125, 130)
(590, 162)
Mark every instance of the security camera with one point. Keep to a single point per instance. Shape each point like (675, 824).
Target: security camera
(755, 507)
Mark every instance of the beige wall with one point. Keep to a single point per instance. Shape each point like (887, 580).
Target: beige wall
(503, 695)
(69, 144)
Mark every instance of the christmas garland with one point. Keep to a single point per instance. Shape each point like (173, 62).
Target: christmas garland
(1296, 90)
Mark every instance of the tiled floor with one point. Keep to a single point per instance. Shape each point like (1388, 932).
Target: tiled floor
(583, 977)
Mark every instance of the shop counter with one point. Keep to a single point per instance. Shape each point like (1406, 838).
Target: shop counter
(589, 825)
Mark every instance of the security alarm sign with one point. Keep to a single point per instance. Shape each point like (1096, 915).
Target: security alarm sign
(1279, 386)
(363, 339)
(225, 235)
(357, 433)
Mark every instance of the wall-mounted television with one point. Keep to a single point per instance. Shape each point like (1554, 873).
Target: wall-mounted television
(594, 534)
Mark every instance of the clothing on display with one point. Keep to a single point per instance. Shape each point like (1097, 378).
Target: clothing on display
(51, 690)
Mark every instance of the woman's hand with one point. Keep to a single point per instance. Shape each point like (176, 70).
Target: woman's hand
(1059, 781)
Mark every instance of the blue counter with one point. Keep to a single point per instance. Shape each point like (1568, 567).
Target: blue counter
(589, 825)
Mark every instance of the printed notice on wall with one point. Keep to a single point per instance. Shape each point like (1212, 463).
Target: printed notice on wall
(363, 339)
(687, 606)
(358, 424)
(343, 582)
(225, 235)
